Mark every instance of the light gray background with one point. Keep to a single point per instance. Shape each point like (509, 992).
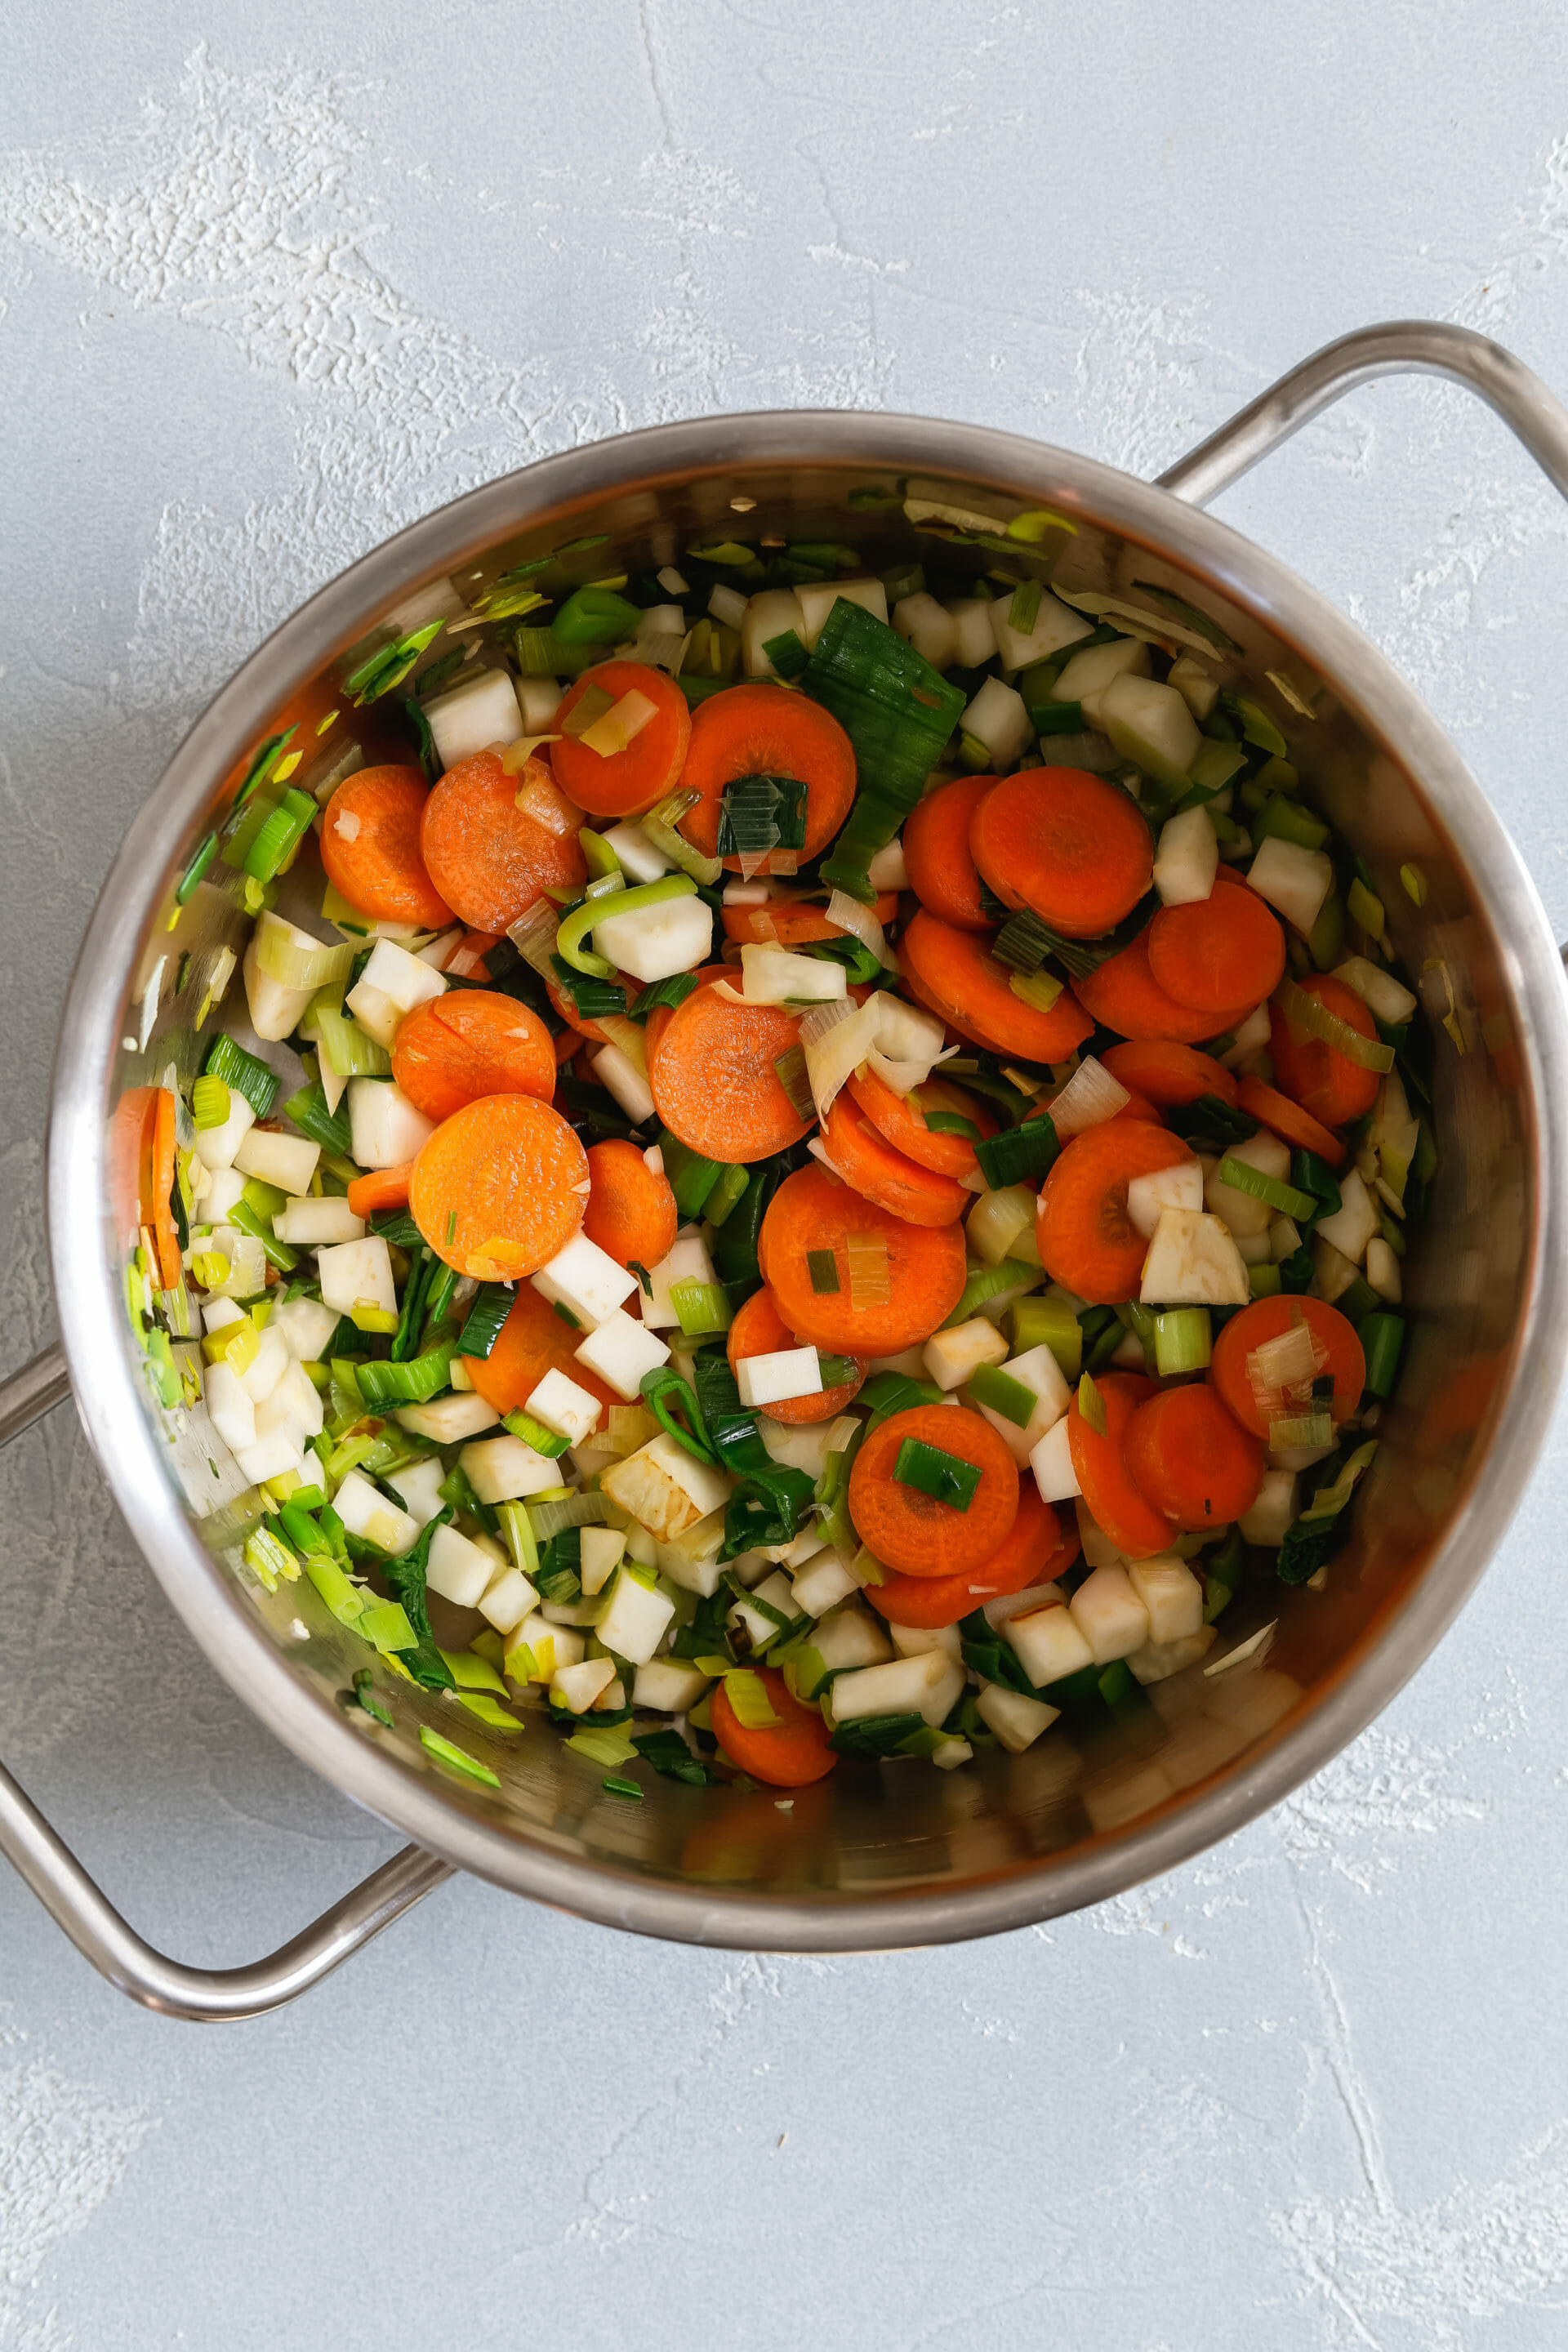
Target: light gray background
(278, 279)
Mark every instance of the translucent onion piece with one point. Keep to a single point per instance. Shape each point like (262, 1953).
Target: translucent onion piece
(846, 914)
(294, 960)
(1091, 1096)
(542, 800)
(627, 1036)
(836, 1038)
(905, 1033)
(1281, 1371)
(533, 937)
(518, 755)
(591, 704)
(773, 975)
(1308, 1013)
(620, 725)
(870, 1275)
(1388, 998)
(1290, 1431)
(905, 1076)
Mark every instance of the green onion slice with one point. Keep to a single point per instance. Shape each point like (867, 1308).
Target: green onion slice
(945, 1476)
(993, 1387)
(1310, 1014)
(1271, 1190)
(237, 1068)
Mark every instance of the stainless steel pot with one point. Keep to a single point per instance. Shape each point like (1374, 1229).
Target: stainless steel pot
(903, 1856)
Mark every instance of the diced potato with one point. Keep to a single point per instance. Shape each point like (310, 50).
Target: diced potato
(851, 1636)
(587, 1279)
(652, 942)
(971, 617)
(550, 1646)
(1051, 1462)
(821, 1584)
(773, 1378)
(953, 1357)
(688, 1261)
(768, 615)
(215, 1146)
(640, 861)
(459, 1569)
(474, 716)
(1151, 726)
(1157, 1661)
(602, 1550)
(1110, 1615)
(293, 1405)
(503, 1469)
(1056, 626)
(1198, 688)
(563, 1407)
(272, 1456)
(1099, 1550)
(576, 1687)
(775, 1590)
(416, 1485)
(999, 718)
(621, 1350)
(1354, 1221)
(306, 1224)
(1171, 1594)
(665, 1487)
(230, 1410)
(384, 1127)
(930, 629)
(507, 1599)
(634, 1622)
(1087, 674)
(1148, 1197)
(620, 1076)
(1294, 880)
(1192, 1261)
(287, 1161)
(357, 1271)
(448, 1419)
(1187, 858)
(1017, 1719)
(266, 1368)
(1272, 1512)
(276, 1011)
(396, 973)
(1050, 1643)
(1039, 1371)
(914, 1640)
(672, 1684)
(1240, 1212)
(818, 599)
(368, 1514)
(929, 1686)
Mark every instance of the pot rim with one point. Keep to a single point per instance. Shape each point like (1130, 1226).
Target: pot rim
(87, 1288)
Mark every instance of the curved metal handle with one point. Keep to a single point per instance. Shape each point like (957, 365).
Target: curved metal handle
(208, 1996)
(1404, 347)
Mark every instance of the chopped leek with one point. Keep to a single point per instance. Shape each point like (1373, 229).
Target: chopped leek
(243, 1072)
(1276, 1194)
(547, 1441)
(988, 1281)
(823, 1269)
(758, 812)
(1309, 1016)
(413, 1382)
(945, 1476)
(447, 1752)
(1019, 1155)
(702, 1307)
(1181, 1340)
(898, 712)
(997, 1389)
(209, 1102)
(1092, 1405)
(662, 826)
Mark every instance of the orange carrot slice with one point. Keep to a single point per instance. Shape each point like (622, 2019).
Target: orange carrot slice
(943, 874)
(489, 859)
(902, 1119)
(1088, 1242)
(1124, 995)
(1226, 950)
(631, 1213)
(787, 1754)
(623, 783)
(919, 1534)
(759, 1329)
(1267, 1318)
(812, 1210)
(499, 1187)
(713, 1068)
(865, 1159)
(1115, 1503)
(767, 731)
(466, 1043)
(165, 1233)
(785, 924)
(1311, 1072)
(1035, 1549)
(1192, 1458)
(1075, 848)
(1289, 1121)
(370, 847)
(381, 1189)
(970, 987)
(1168, 1075)
(532, 1340)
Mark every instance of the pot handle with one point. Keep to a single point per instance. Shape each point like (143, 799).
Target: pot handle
(1404, 347)
(209, 1996)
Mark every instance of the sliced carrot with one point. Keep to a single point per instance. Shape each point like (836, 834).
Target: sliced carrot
(786, 923)
(865, 1159)
(957, 1032)
(1115, 1503)
(1075, 848)
(902, 1119)
(813, 1212)
(382, 1189)
(1311, 1072)
(131, 1163)
(1218, 951)
(1267, 1318)
(466, 1043)
(714, 1070)
(1289, 1121)
(623, 783)
(1168, 1075)
(370, 847)
(499, 1187)
(1033, 1552)
(787, 1754)
(1088, 1242)
(1124, 995)
(759, 1329)
(488, 858)
(920, 1534)
(161, 1171)
(532, 1340)
(631, 1213)
(767, 731)
(1192, 1458)
(583, 1025)
(1138, 1106)
(971, 987)
(943, 874)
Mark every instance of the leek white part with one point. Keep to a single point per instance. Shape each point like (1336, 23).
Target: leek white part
(1004, 1606)
(768, 615)
(293, 1403)
(564, 1406)
(1252, 1037)
(999, 718)
(847, 915)
(1151, 726)
(774, 1377)
(1294, 880)
(1267, 1522)
(385, 1128)
(215, 1146)
(602, 1551)
(482, 711)
(504, 1469)
(886, 870)
(673, 583)
(1382, 1271)
(1051, 1462)
(416, 1484)
(774, 975)
(1110, 1615)
(448, 1419)
(1148, 1197)
(551, 1646)
(1017, 1719)
(1157, 1661)
(276, 1011)
(929, 1686)
(1087, 674)
(576, 1687)
(1355, 1220)
(1197, 686)
(1171, 1594)
(1284, 1239)
(818, 599)
(1039, 1371)
(672, 1684)
(539, 699)
(1388, 999)
(1193, 1261)
(634, 1623)
(306, 1224)
(1187, 858)
(838, 1037)
(851, 1636)
(1334, 1271)
(272, 1456)
(653, 942)
(374, 1519)
(621, 1351)
(287, 1161)
(775, 1590)
(1056, 626)
(688, 1261)
(971, 617)
(1049, 1644)
(639, 860)
(230, 1410)
(619, 1076)
(587, 1279)
(821, 1584)
(247, 1263)
(728, 607)
(353, 1271)
(665, 1488)
(507, 1599)
(927, 626)
(459, 1571)
(266, 1368)
(953, 1357)
(1090, 1097)
(999, 1221)
(914, 1640)
(1256, 1249)
(225, 1186)
(1238, 1210)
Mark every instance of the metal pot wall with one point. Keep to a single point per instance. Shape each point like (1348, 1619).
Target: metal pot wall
(899, 1855)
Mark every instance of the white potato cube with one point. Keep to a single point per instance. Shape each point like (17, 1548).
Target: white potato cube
(550, 1645)
(1187, 858)
(821, 1584)
(1039, 1371)
(272, 1456)
(293, 1404)
(287, 1161)
(688, 1261)
(1151, 726)
(999, 718)
(474, 716)
(215, 1146)
(929, 627)
(971, 617)
(913, 1641)
(1108, 1613)
(1171, 1594)
(1294, 880)
(806, 1447)
(1049, 1644)
(229, 1410)
(577, 1687)
(1240, 1212)
(1273, 1512)
(1148, 1197)
(225, 1190)
(620, 1076)
(415, 1485)
(503, 1469)
(818, 597)
(929, 1686)
(955, 1356)
(1157, 1661)
(461, 1570)
(384, 1127)
(1354, 1221)
(621, 1351)
(1056, 626)
(652, 942)
(666, 1488)
(507, 1600)
(1016, 1720)
(1051, 1462)
(634, 1622)
(773, 1378)
(356, 1271)
(1198, 688)
(639, 860)
(1087, 674)
(406, 979)
(306, 1224)
(602, 1551)
(672, 1684)
(447, 1420)
(306, 1325)
(1193, 1261)
(266, 1367)
(563, 1407)
(768, 615)
(368, 1514)
(851, 1636)
(587, 1279)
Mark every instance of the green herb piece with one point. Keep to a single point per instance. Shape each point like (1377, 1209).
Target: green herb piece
(1019, 1155)
(823, 1269)
(201, 859)
(993, 1387)
(758, 812)
(898, 712)
(488, 1310)
(243, 1072)
(672, 1759)
(390, 665)
(943, 1476)
(412, 1380)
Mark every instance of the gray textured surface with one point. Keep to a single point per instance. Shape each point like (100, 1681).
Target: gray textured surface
(273, 284)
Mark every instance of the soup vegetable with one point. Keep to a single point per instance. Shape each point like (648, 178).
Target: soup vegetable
(813, 1165)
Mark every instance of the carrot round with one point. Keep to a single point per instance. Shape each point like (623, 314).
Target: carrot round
(1115, 1502)
(812, 1210)
(466, 1043)
(788, 1754)
(971, 987)
(1218, 951)
(957, 1031)
(1192, 1458)
(867, 1161)
(1311, 1072)
(759, 1329)
(165, 1233)
(787, 924)
(381, 1189)
(767, 731)
(902, 1119)
(1034, 1550)
(1138, 1106)
(943, 874)
(1168, 1075)
(1075, 848)
(370, 847)
(499, 1187)
(532, 1340)
(1287, 1121)
(631, 1213)
(1265, 1319)
(1124, 995)
(623, 783)
(712, 1069)
(919, 1534)
(1088, 1242)
(488, 858)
